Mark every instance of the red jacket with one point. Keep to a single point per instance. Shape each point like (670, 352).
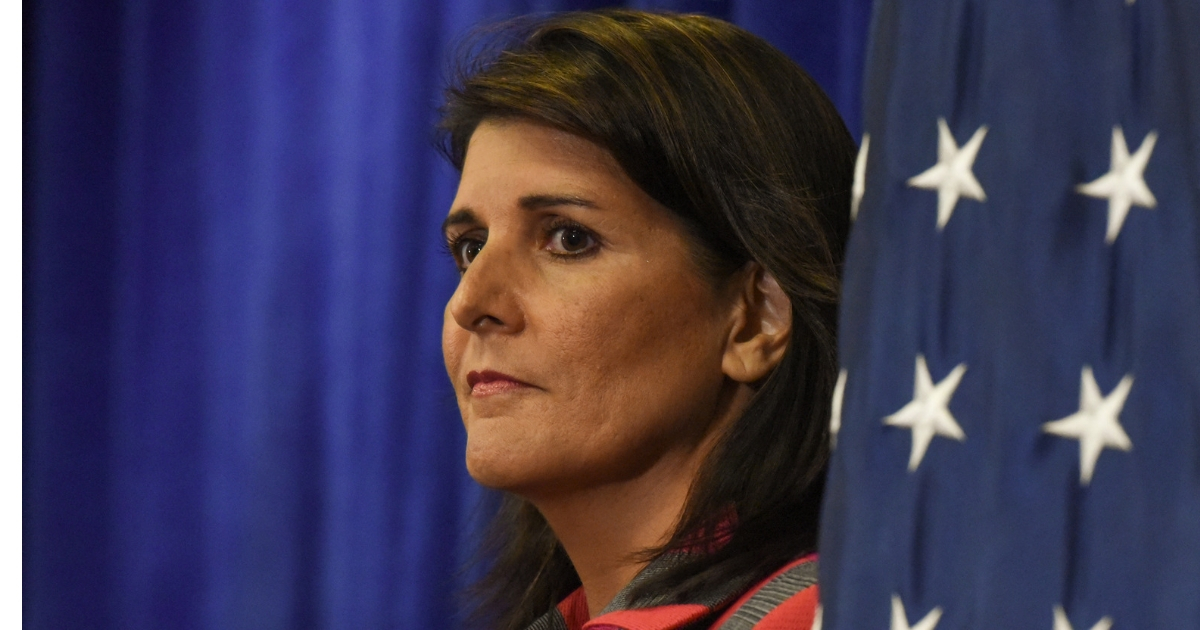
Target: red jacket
(786, 600)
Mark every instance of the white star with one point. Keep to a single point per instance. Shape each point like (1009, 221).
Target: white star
(952, 176)
(900, 617)
(1123, 185)
(1062, 623)
(860, 176)
(928, 413)
(817, 618)
(1095, 425)
(835, 409)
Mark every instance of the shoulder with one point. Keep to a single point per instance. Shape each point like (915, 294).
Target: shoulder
(785, 599)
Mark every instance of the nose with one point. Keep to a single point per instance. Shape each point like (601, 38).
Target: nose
(486, 300)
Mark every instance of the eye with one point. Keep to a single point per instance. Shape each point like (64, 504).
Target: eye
(571, 240)
(465, 249)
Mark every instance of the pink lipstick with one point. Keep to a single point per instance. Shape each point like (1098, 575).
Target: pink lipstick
(487, 383)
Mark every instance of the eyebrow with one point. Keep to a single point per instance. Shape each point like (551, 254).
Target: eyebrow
(459, 217)
(464, 216)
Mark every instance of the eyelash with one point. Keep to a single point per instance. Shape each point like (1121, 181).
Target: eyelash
(450, 245)
(453, 245)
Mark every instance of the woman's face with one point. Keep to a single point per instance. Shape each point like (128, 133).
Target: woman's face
(583, 344)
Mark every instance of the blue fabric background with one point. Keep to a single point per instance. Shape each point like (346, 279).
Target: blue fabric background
(235, 409)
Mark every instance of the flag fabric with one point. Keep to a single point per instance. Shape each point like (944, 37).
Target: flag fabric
(1018, 416)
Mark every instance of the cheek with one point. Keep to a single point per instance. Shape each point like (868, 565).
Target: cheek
(637, 366)
(621, 332)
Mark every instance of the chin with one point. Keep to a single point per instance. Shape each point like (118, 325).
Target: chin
(496, 468)
(520, 469)
(486, 474)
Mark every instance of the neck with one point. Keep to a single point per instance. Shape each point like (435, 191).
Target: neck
(604, 529)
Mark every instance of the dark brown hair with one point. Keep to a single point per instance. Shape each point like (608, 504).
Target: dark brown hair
(741, 144)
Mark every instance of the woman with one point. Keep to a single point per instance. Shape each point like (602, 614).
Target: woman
(649, 227)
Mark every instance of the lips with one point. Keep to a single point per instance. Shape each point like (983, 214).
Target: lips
(488, 383)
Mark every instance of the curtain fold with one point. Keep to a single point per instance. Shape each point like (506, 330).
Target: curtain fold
(236, 414)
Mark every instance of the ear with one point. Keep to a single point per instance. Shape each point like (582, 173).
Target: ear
(761, 326)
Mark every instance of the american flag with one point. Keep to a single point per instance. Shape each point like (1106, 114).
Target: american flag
(1018, 415)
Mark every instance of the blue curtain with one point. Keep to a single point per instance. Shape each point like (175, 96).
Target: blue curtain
(235, 411)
